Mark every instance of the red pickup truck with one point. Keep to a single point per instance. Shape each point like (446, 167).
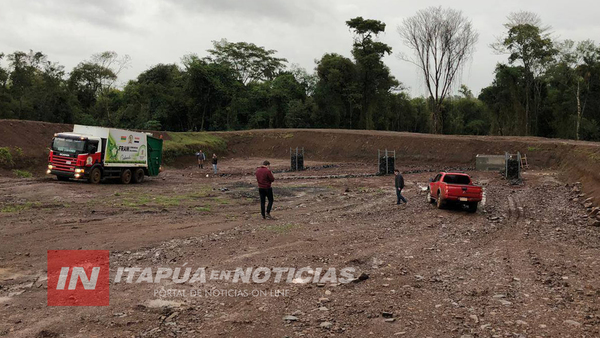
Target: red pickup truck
(454, 188)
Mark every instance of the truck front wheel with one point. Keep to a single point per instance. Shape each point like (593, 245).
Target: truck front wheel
(95, 176)
(126, 176)
(429, 198)
(138, 176)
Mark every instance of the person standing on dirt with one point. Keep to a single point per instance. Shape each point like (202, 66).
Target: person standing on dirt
(264, 177)
(201, 158)
(399, 180)
(214, 163)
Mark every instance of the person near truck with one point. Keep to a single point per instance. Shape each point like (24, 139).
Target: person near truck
(399, 180)
(264, 177)
(214, 163)
(201, 158)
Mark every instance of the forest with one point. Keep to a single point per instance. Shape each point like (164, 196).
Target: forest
(545, 87)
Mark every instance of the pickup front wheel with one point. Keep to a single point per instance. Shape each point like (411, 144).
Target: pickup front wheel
(429, 199)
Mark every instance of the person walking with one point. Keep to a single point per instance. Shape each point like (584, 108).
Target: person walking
(399, 180)
(201, 158)
(214, 163)
(264, 177)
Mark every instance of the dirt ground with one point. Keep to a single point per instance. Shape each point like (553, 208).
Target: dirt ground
(527, 264)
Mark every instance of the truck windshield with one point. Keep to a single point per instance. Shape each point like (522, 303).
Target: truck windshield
(457, 179)
(70, 146)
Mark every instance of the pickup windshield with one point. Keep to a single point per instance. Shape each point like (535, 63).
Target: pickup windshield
(70, 146)
(457, 179)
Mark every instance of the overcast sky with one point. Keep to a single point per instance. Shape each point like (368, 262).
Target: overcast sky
(162, 31)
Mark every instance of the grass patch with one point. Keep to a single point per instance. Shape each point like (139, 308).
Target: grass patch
(188, 143)
(532, 149)
(283, 228)
(132, 200)
(202, 209)
(12, 208)
(220, 200)
(22, 173)
(288, 135)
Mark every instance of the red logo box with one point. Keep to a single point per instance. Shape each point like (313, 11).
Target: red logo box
(78, 278)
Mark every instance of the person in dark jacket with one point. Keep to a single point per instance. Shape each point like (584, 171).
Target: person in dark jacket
(214, 163)
(399, 186)
(264, 177)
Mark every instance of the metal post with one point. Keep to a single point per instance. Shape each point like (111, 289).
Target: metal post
(378, 161)
(506, 165)
(519, 160)
(387, 164)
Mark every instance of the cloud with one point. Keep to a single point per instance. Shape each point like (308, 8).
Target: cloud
(278, 10)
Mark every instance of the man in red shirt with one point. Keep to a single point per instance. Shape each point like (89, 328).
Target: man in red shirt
(264, 177)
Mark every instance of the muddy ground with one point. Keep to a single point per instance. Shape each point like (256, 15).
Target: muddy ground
(527, 264)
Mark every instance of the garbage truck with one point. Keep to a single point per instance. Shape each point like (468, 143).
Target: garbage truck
(94, 153)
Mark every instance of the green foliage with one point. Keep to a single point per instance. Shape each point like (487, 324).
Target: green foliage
(22, 173)
(250, 62)
(6, 158)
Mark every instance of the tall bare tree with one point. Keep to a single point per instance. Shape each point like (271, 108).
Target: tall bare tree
(442, 40)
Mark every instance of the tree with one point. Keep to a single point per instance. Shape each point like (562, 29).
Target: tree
(573, 72)
(504, 99)
(442, 40)
(373, 76)
(534, 52)
(111, 60)
(249, 61)
(520, 18)
(156, 98)
(211, 87)
(336, 92)
(88, 81)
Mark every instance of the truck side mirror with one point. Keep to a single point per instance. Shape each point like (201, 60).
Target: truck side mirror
(430, 180)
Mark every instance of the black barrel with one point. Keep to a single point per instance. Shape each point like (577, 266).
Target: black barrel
(297, 162)
(386, 165)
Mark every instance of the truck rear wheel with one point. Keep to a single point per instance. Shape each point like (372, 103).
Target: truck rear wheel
(138, 176)
(440, 201)
(472, 207)
(126, 176)
(95, 176)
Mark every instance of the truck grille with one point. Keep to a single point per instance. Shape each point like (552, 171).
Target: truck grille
(64, 163)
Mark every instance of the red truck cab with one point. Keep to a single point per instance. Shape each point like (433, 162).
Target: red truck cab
(75, 156)
(454, 188)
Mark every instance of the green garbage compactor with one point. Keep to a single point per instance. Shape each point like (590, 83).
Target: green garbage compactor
(155, 146)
